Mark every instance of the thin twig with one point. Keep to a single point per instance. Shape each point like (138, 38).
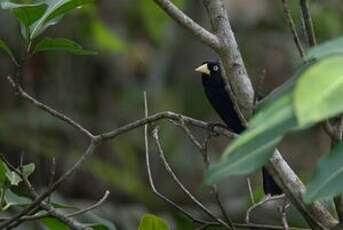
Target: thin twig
(283, 212)
(292, 27)
(203, 148)
(20, 91)
(164, 116)
(265, 200)
(308, 23)
(52, 175)
(151, 180)
(92, 207)
(38, 201)
(251, 194)
(180, 184)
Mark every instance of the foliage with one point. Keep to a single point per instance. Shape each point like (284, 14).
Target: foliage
(151, 222)
(312, 97)
(36, 18)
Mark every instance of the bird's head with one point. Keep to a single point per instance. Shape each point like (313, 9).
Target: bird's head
(211, 73)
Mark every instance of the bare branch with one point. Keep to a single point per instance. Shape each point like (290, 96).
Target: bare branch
(315, 214)
(251, 194)
(151, 180)
(164, 116)
(20, 91)
(39, 199)
(180, 184)
(180, 17)
(292, 27)
(283, 212)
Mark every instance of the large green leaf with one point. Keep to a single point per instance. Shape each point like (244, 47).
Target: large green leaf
(256, 145)
(4, 47)
(327, 179)
(26, 13)
(319, 92)
(151, 222)
(328, 48)
(55, 11)
(61, 44)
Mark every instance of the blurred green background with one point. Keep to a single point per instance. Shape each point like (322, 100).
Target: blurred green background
(141, 49)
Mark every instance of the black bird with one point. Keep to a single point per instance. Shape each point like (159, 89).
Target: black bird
(221, 101)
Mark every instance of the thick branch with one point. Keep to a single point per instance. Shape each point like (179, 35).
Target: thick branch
(230, 56)
(316, 215)
(180, 17)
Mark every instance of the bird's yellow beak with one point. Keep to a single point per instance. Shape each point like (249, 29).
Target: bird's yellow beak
(203, 69)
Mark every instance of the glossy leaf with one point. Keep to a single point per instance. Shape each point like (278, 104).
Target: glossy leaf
(4, 47)
(332, 47)
(151, 222)
(61, 44)
(327, 179)
(26, 13)
(319, 92)
(256, 145)
(55, 11)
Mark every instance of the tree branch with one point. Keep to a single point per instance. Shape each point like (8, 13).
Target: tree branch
(180, 17)
(20, 92)
(292, 27)
(315, 214)
(308, 23)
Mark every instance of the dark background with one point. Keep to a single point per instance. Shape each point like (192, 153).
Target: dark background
(141, 49)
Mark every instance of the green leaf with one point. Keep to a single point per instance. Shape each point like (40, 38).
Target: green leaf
(319, 92)
(4, 47)
(26, 13)
(61, 44)
(327, 179)
(15, 179)
(55, 11)
(151, 222)
(13, 199)
(54, 224)
(332, 47)
(256, 145)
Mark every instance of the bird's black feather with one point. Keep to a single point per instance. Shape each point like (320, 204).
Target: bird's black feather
(220, 100)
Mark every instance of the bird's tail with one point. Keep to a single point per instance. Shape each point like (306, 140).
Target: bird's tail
(269, 185)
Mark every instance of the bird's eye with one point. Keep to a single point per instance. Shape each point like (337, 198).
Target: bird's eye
(215, 68)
